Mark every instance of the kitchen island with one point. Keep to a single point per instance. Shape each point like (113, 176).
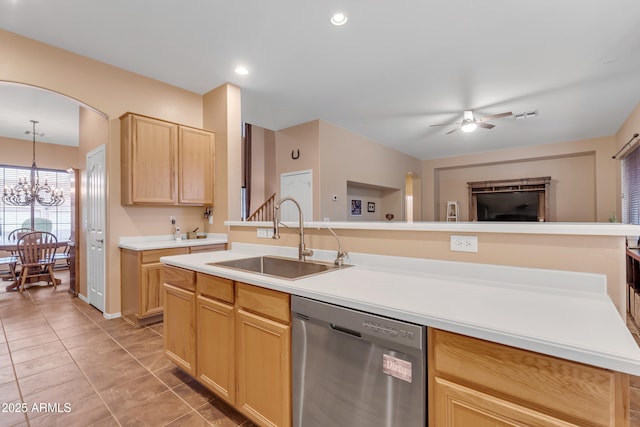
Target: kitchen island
(553, 317)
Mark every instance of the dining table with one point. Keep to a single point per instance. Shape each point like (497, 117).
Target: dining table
(11, 246)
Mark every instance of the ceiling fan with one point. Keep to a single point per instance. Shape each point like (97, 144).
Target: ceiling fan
(469, 123)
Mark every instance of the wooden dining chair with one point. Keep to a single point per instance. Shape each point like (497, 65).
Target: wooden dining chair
(37, 251)
(11, 262)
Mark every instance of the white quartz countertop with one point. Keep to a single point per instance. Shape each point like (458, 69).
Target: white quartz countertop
(563, 228)
(559, 313)
(143, 243)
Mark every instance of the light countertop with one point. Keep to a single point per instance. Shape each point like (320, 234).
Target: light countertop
(563, 228)
(143, 243)
(559, 313)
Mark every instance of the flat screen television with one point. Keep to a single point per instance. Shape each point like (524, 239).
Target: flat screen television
(511, 206)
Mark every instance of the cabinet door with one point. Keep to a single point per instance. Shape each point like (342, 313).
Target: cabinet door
(153, 161)
(151, 295)
(195, 166)
(179, 327)
(216, 347)
(264, 369)
(459, 406)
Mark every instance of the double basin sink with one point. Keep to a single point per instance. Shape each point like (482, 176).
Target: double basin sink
(283, 268)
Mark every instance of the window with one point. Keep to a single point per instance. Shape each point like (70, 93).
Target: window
(631, 188)
(56, 219)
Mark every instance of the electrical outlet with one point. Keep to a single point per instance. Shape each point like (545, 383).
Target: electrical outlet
(464, 243)
(265, 233)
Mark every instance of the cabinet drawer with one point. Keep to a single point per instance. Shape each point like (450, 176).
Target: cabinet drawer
(155, 254)
(215, 287)
(207, 248)
(179, 277)
(266, 302)
(531, 379)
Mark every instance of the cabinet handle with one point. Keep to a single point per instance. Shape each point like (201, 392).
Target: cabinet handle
(100, 240)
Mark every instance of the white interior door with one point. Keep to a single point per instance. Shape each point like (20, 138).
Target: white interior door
(298, 185)
(95, 226)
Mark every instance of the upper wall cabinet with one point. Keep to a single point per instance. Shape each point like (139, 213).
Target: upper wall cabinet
(165, 163)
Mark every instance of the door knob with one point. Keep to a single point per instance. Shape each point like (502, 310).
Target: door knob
(100, 240)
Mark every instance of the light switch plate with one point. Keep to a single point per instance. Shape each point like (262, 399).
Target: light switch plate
(464, 243)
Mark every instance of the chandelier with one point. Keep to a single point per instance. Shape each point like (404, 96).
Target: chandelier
(26, 193)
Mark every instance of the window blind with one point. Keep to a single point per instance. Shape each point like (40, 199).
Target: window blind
(58, 217)
(631, 188)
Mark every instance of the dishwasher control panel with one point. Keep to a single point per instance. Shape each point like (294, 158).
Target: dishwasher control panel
(358, 323)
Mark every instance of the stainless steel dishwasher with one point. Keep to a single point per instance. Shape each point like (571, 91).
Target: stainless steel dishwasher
(355, 369)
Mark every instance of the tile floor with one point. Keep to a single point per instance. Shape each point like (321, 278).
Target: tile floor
(65, 364)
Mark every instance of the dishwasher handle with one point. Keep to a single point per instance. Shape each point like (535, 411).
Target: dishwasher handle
(345, 330)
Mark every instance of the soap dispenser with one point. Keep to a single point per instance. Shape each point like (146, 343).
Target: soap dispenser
(178, 235)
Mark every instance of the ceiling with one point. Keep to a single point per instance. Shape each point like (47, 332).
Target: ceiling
(393, 70)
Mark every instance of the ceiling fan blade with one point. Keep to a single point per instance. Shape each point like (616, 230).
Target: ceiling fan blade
(495, 116)
(485, 125)
(445, 124)
(452, 131)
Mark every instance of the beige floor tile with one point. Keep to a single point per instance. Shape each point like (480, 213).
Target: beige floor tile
(173, 376)
(97, 339)
(9, 392)
(134, 336)
(126, 395)
(6, 375)
(16, 334)
(78, 329)
(218, 413)
(13, 418)
(110, 375)
(51, 378)
(85, 352)
(66, 393)
(32, 341)
(156, 362)
(42, 364)
(37, 351)
(157, 411)
(84, 412)
(5, 359)
(194, 393)
(145, 348)
(192, 419)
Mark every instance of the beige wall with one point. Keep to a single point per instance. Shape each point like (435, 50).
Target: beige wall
(345, 156)
(114, 91)
(303, 141)
(335, 156)
(583, 178)
(18, 152)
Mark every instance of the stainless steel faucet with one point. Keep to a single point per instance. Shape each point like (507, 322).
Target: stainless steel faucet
(341, 254)
(303, 252)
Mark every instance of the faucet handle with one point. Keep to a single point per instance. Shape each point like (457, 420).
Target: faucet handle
(340, 258)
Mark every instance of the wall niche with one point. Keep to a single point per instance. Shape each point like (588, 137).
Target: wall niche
(522, 199)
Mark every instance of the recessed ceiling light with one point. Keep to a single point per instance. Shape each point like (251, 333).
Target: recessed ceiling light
(242, 71)
(338, 19)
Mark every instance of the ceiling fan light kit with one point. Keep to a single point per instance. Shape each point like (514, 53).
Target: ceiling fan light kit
(470, 124)
(469, 127)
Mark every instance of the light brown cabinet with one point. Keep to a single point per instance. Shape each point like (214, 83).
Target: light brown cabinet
(216, 336)
(480, 383)
(165, 163)
(264, 355)
(141, 296)
(141, 291)
(180, 317)
(241, 347)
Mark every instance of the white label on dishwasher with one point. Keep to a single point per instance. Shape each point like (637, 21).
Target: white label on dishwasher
(397, 368)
